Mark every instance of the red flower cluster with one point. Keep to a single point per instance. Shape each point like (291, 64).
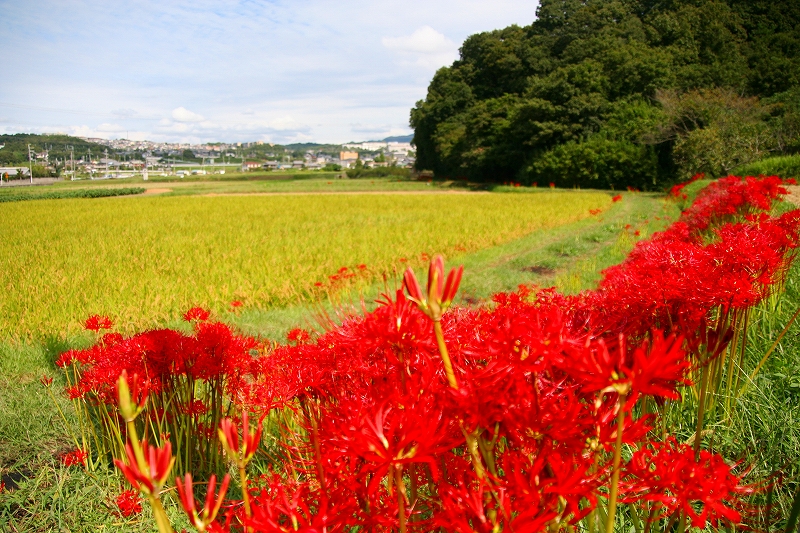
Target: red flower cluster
(520, 432)
(677, 190)
(129, 503)
(74, 457)
(678, 479)
(703, 262)
(97, 322)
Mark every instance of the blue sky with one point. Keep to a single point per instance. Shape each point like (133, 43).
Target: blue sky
(231, 71)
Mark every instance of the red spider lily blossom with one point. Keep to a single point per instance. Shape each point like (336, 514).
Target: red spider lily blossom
(616, 198)
(132, 395)
(129, 503)
(74, 458)
(298, 336)
(440, 293)
(229, 437)
(46, 381)
(703, 486)
(150, 476)
(98, 322)
(236, 303)
(655, 369)
(196, 313)
(208, 514)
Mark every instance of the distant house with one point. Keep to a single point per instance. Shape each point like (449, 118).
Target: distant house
(250, 165)
(298, 164)
(348, 156)
(270, 165)
(12, 171)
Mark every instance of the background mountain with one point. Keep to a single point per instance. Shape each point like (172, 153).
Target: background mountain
(617, 93)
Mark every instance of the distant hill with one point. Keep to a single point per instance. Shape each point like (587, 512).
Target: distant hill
(57, 146)
(399, 139)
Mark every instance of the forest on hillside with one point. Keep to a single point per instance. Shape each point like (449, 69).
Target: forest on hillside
(616, 93)
(14, 149)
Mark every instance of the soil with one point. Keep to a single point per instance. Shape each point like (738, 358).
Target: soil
(794, 194)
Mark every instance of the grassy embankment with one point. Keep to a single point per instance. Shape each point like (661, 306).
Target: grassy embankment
(538, 237)
(569, 255)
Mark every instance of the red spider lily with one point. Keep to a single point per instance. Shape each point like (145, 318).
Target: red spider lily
(196, 313)
(74, 458)
(98, 322)
(132, 396)
(129, 503)
(229, 437)
(208, 514)
(46, 381)
(616, 198)
(236, 303)
(290, 506)
(542, 376)
(705, 488)
(440, 293)
(655, 370)
(298, 336)
(150, 476)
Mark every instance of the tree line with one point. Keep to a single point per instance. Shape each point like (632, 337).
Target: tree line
(616, 93)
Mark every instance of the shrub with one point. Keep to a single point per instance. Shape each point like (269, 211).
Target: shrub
(597, 163)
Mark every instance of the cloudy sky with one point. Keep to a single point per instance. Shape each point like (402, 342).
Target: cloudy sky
(230, 70)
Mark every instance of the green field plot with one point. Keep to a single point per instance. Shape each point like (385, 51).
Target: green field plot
(144, 260)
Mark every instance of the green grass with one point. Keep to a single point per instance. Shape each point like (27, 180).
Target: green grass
(18, 194)
(787, 166)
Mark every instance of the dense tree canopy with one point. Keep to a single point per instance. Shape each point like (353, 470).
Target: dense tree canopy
(581, 95)
(57, 146)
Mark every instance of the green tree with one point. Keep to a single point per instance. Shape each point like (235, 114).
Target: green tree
(518, 93)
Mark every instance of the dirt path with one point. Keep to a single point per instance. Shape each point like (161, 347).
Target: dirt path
(794, 194)
(329, 193)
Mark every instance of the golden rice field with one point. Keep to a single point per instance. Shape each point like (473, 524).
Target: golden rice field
(145, 260)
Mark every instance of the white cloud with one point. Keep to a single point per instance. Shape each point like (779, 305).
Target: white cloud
(181, 114)
(425, 48)
(110, 128)
(241, 70)
(425, 40)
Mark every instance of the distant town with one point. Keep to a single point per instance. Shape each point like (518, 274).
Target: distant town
(59, 155)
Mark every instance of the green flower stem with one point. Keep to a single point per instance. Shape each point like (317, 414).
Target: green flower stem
(448, 366)
(612, 497)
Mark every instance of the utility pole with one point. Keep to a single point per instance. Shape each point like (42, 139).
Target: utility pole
(72, 163)
(30, 163)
